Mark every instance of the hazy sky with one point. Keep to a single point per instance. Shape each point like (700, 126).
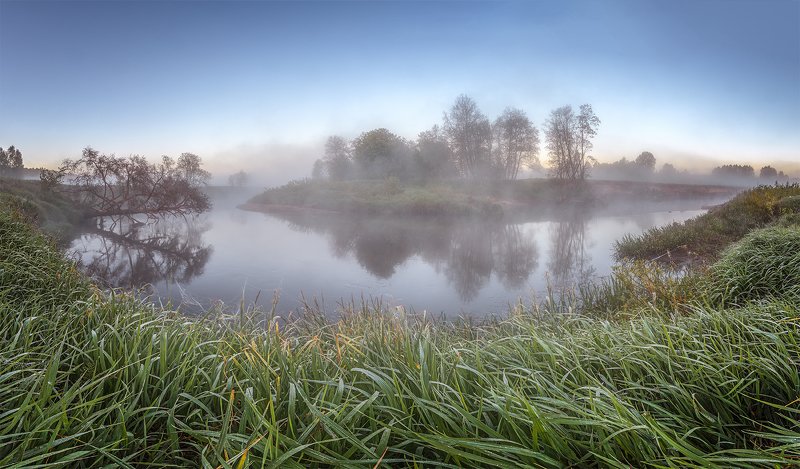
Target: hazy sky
(263, 83)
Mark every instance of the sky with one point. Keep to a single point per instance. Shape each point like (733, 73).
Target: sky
(259, 85)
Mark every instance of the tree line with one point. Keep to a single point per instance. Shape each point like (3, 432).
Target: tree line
(467, 145)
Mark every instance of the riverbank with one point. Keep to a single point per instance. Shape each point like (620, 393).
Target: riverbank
(460, 198)
(53, 213)
(702, 239)
(90, 379)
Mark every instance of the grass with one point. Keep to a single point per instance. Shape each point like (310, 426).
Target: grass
(766, 263)
(388, 197)
(704, 237)
(478, 198)
(89, 379)
(54, 214)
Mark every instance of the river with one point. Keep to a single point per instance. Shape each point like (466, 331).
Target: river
(475, 268)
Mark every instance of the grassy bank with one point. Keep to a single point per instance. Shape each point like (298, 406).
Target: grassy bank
(704, 237)
(88, 380)
(469, 198)
(53, 213)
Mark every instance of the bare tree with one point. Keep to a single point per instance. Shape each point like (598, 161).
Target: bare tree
(108, 185)
(569, 141)
(470, 135)
(191, 166)
(337, 159)
(516, 143)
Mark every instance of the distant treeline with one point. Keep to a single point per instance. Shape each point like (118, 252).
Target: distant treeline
(643, 167)
(467, 145)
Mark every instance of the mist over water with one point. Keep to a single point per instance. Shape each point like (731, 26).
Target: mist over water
(454, 267)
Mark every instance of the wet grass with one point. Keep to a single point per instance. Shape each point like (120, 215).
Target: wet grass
(704, 238)
(94, 380)
(53, 213)
(387, 197)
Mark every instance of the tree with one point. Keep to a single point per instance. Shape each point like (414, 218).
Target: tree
(434, 157)
(516, 143)
(668, 170)
(318, 170)
(380, 153)
(4, 163)
(646, 160)
(470, 136)
(191, 166)
(734, 171)
(238, 179)
(569, 141)
(337, 159)
(10, 159)
(107, 185)
(768, 172)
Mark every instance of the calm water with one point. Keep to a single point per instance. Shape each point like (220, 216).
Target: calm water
(432, 265)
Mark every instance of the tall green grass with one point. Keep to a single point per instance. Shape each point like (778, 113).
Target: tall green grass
(765, 264)
(92, 380)
(53, 213)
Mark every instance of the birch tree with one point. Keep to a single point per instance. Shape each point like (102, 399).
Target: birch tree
(569, 141)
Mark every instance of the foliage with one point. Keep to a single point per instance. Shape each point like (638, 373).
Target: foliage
(10, 159)
(434, 158)
(768, 172)
(704, 237)
(646, 160)
(734, 171)
(379, 153)
(92, 381)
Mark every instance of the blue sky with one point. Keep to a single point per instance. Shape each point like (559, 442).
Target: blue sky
(263, 83)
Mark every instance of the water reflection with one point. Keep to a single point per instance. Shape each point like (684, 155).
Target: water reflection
(466, 253)
(569, 262)
(124, 252)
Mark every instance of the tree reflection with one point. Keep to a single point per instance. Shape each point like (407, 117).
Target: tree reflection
(570, 263)
(467, 253)
(127, 253)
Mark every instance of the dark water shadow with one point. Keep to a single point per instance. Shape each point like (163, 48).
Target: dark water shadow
(128, 253)
(467, 253)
